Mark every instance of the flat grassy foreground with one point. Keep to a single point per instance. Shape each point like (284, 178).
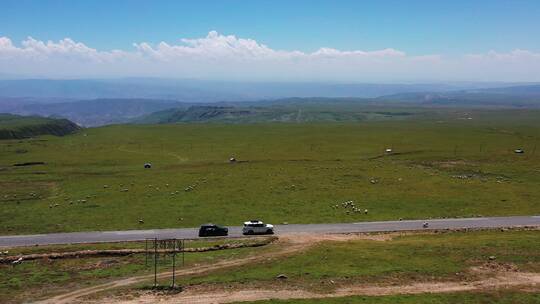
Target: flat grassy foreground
(505, 297)
(442, 166)
(403, 260)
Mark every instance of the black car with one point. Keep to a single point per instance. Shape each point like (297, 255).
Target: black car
(213, 230)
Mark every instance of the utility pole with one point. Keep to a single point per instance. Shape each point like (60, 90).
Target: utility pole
(155, 262)
(173, 265)
(146, 251)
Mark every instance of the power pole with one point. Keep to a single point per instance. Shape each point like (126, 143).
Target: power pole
(155, 262)
(174, 265)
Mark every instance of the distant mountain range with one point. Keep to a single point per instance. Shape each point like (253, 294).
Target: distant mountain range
(219, 106)
(94, 112)
(515, 96)
(189, 90)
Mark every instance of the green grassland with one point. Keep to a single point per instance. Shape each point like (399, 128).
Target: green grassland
(446, 163)
(402, 260)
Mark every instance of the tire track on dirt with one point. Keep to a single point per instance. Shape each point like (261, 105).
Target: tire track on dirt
(499, 281)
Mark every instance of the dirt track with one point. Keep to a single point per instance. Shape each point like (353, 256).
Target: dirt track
(291, 245)
(502, 280)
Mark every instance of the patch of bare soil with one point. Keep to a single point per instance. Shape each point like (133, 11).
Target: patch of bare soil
(452, 163)
(530, 282)
(313, 238)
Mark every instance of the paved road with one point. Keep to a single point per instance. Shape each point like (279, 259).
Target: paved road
(191, 233)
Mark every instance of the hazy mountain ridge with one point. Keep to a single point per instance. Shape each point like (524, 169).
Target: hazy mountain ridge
(103, 111)
(190, 90)
(515, 96)
(94, 112)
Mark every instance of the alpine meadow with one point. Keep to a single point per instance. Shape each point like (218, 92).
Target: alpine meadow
(269, 152)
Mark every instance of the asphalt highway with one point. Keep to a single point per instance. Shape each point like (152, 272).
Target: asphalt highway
(236, 231)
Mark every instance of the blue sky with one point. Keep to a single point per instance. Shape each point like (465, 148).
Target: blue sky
(417, 28)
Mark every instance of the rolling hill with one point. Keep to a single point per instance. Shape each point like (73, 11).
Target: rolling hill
(17, 127)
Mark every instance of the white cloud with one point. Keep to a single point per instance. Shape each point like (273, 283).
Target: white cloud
(330, 52)
(230, 57)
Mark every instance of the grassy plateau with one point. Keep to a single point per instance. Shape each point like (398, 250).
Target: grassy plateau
(445, 163)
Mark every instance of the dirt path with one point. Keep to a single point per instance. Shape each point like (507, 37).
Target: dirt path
(289, 245)
(501, 280)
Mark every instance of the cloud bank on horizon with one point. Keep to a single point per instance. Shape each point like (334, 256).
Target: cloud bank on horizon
(228, 57)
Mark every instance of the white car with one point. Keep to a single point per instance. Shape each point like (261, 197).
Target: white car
(257, 227)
